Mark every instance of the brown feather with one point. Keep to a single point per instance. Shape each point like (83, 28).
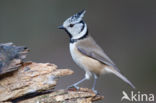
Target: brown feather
(89, 47)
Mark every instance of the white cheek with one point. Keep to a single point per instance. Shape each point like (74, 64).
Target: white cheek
(74, 30)
(80, 33)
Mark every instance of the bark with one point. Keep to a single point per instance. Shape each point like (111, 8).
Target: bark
(35, 83)
(11, 57)
(83, 95)
(30, 82)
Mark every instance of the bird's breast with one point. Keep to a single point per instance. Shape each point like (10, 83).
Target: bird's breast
(85, 62)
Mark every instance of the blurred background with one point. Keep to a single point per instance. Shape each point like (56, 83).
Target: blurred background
(125, 29)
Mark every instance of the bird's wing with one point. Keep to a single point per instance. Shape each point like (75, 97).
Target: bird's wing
(91, 49)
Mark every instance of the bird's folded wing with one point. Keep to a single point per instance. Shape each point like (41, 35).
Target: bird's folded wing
(94, 51)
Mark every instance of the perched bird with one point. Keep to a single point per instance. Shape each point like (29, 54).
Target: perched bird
(86, 53)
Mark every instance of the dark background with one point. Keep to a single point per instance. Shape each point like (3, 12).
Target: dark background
(125, 29)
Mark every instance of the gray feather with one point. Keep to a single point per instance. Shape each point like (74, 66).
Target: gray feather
(89, 47)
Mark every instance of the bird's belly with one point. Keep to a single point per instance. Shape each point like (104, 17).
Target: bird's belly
(85, 62)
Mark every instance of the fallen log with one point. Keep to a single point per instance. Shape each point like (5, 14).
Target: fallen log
(31, 82)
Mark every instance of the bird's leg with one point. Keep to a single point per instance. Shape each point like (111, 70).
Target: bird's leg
(77, 83)
(94, 83)
(87, 77)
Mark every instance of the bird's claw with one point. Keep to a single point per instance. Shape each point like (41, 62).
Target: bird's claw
(95, 91)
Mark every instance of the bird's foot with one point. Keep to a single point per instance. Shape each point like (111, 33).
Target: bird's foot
(72, 87)
(95, 91)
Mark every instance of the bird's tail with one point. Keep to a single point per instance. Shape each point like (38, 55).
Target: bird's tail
(120, 76)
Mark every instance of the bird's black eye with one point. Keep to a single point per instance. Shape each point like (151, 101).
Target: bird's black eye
(71, 25)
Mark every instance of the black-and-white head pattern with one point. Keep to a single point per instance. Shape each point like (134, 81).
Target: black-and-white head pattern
(75, 26)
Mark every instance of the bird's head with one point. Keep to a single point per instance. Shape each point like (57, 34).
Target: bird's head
(75, 26)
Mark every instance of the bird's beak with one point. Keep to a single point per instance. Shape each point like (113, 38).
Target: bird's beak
(61, 27)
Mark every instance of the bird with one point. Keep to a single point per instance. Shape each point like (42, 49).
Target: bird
(86, 53)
